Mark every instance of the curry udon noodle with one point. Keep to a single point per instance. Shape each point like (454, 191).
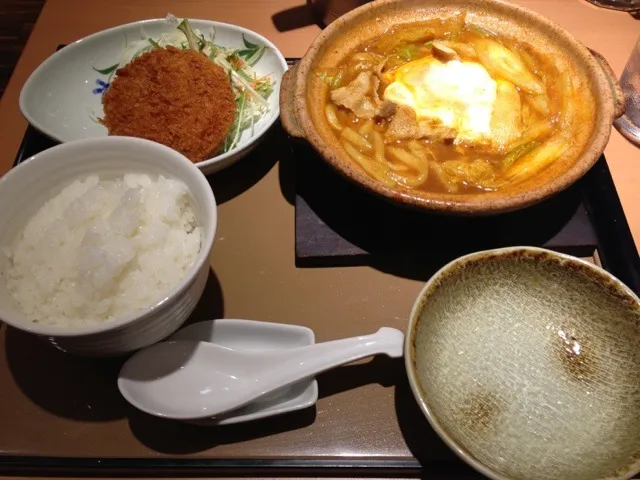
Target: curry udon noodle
(448, 106)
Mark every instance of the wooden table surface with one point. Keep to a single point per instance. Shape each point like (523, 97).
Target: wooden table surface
(255, 285)
(17, 18)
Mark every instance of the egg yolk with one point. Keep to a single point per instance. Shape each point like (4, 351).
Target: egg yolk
(460, 95)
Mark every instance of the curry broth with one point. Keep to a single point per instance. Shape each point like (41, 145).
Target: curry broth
(442, 164)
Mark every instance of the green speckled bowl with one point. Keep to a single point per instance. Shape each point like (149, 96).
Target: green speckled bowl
(527, 364)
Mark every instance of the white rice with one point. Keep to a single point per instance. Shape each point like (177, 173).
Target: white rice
(101, 249)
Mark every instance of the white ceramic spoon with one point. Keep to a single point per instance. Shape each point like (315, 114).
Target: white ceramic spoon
(188, 380)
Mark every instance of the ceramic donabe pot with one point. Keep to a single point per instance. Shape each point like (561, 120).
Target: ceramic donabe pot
(303, 97)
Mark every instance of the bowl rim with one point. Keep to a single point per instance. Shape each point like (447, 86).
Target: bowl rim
(432, 284)
(268, 120)
(206, 243)
(458, 203)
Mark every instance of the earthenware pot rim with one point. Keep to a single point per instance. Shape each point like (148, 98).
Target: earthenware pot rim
(452, 203)
(427, 290)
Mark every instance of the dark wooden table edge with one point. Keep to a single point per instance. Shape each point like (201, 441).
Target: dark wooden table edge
(135, 467)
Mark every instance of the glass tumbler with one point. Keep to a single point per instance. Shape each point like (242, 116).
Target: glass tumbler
(629, 123)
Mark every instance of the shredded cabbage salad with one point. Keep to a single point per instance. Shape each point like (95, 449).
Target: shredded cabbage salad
(251, 91)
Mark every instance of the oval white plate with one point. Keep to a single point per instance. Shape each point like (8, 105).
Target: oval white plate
(257, 336)
(59, 100)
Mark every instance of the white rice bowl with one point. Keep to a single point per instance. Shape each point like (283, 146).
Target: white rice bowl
(101, 249)
(121, 307)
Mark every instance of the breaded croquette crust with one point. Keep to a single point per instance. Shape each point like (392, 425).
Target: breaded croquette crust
(175, 97)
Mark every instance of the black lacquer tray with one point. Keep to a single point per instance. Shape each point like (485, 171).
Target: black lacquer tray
(337, 224)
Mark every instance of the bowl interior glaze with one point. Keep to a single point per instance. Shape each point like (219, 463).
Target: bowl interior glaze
(526, 362)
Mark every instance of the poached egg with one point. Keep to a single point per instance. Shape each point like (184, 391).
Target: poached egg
(458, 94)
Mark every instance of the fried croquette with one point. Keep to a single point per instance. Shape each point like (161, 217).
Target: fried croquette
(174, 97)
